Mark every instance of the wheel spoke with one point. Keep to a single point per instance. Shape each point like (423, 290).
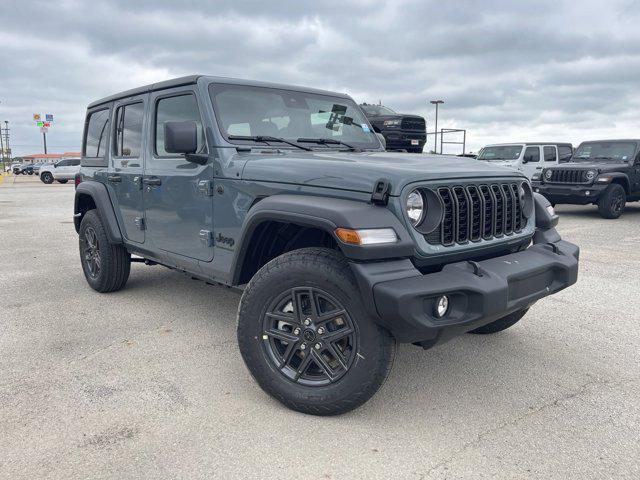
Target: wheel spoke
(282, 335)
(302, 368)
(288, 354)
(326, 368)
(327, 317)
(337, 335)
(283, 317)
(335, 351)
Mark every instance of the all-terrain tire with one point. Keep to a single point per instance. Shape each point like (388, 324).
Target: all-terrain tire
(47, 178)
(502, 323)
(114, 260)
(612, 202)
(313, 270)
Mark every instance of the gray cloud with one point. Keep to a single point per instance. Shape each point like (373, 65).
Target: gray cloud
(506, 70)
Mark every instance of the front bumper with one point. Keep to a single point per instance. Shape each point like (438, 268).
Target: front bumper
(573, 194)
(404, 139)
(403, 300)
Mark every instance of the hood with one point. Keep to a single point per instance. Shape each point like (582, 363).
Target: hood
(359, 171)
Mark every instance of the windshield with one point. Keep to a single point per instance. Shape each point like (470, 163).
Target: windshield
(261, 111)
(502, 152)
(605, 151)
(377, 110)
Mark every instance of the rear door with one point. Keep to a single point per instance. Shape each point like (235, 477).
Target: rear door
(550, 155)
(127, 163)
(177, 194)
(531, 160)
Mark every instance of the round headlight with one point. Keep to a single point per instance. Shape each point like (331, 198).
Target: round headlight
(548, 174)
(415, 207)
(591, 174)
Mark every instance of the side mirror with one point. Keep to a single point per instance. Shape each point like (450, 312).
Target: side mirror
(181, 137)
(383, 140)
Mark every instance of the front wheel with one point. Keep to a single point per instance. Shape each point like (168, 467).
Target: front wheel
(306, 337)
(106, 266)
(612, 202)
(502, 323)
(47, 178)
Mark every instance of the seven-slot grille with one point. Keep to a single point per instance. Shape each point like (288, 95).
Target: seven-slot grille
(559, 175)
(413, 124)
(475, 212)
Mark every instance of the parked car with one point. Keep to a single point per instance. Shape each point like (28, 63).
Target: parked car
(341, 249)
(605, 173)
(62, 171)
(16, 168)
(36, 167)
(401, 131)
(527, 158)
(26, 169)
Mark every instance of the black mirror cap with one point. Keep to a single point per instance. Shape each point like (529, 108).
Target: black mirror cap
(545, 220)
(181, 137)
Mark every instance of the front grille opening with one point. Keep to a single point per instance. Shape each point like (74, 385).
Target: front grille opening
(475, 212)
(568, 175)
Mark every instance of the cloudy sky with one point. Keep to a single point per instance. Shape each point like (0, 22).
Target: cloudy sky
(507, 70)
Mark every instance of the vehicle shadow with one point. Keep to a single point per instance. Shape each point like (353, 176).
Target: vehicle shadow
(632, 210)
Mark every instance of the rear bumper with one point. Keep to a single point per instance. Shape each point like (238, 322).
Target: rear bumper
(573, 194)
(403, 300)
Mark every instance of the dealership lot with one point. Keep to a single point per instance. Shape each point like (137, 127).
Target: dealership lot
(148, 382)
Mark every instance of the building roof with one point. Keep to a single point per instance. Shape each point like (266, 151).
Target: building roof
(192, 79)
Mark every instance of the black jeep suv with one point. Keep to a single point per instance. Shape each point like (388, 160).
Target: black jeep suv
(605, 173)
(401, 132)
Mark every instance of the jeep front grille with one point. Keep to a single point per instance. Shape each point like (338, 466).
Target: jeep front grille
(413, 124)
(568, 175)
(476, 212)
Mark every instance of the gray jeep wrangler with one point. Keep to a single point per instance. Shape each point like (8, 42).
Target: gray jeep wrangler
(340, 248)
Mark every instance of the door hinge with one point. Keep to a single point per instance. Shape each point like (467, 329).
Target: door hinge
(139, 221)
(206, 187)
(380, 195)
(206, 237)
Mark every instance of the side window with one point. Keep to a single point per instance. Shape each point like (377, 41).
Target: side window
(564, 152)
(181, 108)
(95, 142)
(532, 154)
(128, 141)
(550, 154)
(75, 162)
(63, 163)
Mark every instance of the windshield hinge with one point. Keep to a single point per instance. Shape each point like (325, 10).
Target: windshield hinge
(380, 195)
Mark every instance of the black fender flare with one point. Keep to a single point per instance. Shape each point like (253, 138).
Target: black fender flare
(619, 178)
(327, 214)
(98, 192)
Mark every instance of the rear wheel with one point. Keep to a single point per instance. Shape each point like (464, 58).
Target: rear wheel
(306, 337)
(47, 178)
(502, 323)
(63, 181)
(612, 202)
(106, 266)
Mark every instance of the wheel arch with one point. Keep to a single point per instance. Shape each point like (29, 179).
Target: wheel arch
(94, 195)
(305, 221)
(622, 180)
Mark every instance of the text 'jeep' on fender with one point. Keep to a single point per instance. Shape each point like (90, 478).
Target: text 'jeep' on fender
(341, 249)
(605, 173)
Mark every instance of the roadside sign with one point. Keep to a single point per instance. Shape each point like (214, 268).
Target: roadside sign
(36, 117)
(46, 124)
(49, 117)
(40, 124)
(44, 129)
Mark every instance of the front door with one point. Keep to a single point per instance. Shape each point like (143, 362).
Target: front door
(635, 176)
(177, 194)
(531, 161)
(127, 161)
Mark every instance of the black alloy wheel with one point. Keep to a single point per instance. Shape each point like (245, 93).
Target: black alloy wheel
(309, 336)
(91, 252)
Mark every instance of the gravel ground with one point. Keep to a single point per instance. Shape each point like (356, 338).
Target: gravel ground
(148, 382)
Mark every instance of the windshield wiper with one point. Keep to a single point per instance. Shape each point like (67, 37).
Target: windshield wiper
(267, 139)
(328, 141)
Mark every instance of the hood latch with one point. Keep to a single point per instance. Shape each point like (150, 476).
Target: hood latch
(380, 195)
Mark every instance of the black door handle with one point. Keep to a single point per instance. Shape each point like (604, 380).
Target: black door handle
(155, 181)
(114, 178)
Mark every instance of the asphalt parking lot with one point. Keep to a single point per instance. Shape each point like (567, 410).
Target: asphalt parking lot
(148, 382)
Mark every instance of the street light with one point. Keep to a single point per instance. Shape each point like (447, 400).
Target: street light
(436, 103)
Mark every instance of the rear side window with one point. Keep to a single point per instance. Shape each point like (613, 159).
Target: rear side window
(129, 130)
(532, 154)
(565, 152)
(75, 162)
(95, 144)
(181, 108)
(549, 154)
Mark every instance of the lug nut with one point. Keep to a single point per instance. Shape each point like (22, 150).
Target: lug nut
(321, 330)
(307, 321)
(296, 331)
(318, 346)
(303, 346)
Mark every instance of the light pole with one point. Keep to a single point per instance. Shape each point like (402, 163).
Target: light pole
(436, 103)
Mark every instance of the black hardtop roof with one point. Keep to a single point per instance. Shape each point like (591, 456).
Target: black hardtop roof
(612, 141)
(192, 79)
